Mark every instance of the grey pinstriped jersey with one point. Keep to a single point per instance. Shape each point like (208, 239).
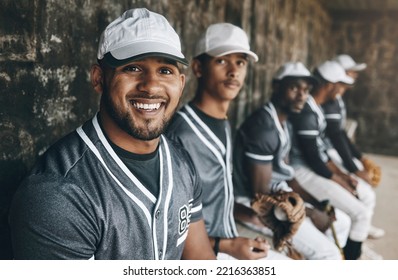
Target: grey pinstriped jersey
(81, 201)
(212, 160)
(261, 138)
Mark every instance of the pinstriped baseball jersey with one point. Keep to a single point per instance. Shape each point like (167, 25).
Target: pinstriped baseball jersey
(81, 201)
(212, 161)
(261, 138)
(310, 123)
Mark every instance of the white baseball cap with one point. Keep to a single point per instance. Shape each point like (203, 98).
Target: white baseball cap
(333, 72)
(348, 63)
(224, 38)
(136, 34)
(294, 70)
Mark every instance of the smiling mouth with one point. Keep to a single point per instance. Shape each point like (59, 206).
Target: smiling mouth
(146, 106)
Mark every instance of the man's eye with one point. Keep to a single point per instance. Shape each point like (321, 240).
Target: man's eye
(220, 61)
(131, 68)
(242, 62)
(166, 71)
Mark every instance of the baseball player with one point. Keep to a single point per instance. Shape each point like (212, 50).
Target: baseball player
(340, 148)
(220, 64)
(261, 154)
(316, 173)
(116, 188)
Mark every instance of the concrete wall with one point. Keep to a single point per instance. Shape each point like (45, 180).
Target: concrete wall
(372, 38)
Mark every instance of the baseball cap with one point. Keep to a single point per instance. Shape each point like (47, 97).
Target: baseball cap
(136, 34)
(333, 72)
(294, 70)
(348, 63)
(224, 38)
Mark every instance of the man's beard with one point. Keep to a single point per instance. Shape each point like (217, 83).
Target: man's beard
(125, 121)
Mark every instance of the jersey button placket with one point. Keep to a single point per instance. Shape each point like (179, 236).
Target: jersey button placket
(157, 214)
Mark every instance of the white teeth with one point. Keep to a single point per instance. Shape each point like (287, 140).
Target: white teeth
(146, 106)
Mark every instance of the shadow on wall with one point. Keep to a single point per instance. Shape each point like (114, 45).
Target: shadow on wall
(12, 173)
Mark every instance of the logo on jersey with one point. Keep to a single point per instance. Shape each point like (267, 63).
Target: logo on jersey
(184, 218)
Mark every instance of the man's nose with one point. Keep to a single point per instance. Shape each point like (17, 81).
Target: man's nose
(149, 83)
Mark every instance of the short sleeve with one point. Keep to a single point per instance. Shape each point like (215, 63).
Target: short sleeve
(52, 219)
(260, 137)
(305, 124)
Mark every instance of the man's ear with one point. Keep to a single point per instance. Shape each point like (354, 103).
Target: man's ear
(96, 76)
(197, 68)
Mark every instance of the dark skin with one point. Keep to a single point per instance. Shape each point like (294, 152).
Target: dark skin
(137, 100)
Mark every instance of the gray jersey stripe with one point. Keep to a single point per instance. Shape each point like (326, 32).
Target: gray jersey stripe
(230, 184)
(169, 167)
(120, 163)
(332, 116)
(308, 132)
(90, 144)
(206, 128)
(259, 157)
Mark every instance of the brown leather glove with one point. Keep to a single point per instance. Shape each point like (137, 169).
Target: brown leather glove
(373, 170)
(292, 208)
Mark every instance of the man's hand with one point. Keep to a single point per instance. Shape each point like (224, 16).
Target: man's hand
(345, 184)
(244, 248)
(320, 219)
(364, 176)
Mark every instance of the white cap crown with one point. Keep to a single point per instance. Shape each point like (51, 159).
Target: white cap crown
(136, 33)
(224, 38)
(348, 63)
(333, 72)
(292, 69)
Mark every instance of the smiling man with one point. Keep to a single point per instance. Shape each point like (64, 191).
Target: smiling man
(116, 188)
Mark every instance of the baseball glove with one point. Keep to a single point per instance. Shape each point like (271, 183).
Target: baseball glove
(282, 212)
(373, 170)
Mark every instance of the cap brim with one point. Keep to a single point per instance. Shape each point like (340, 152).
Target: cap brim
(346, 80)
(311, 79)
(141, 50)
(113, 62)
(358, 67)
(225, 50)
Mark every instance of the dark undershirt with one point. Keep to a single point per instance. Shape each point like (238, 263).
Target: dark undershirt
(217, 126)
(145, 167)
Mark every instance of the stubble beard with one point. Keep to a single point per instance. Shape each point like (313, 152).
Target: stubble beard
(124, 119)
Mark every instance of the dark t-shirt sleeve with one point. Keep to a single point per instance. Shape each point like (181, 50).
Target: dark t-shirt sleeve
(260, 138)
(52, 219)
(341, 143)
(305, 127)
(354, 150)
